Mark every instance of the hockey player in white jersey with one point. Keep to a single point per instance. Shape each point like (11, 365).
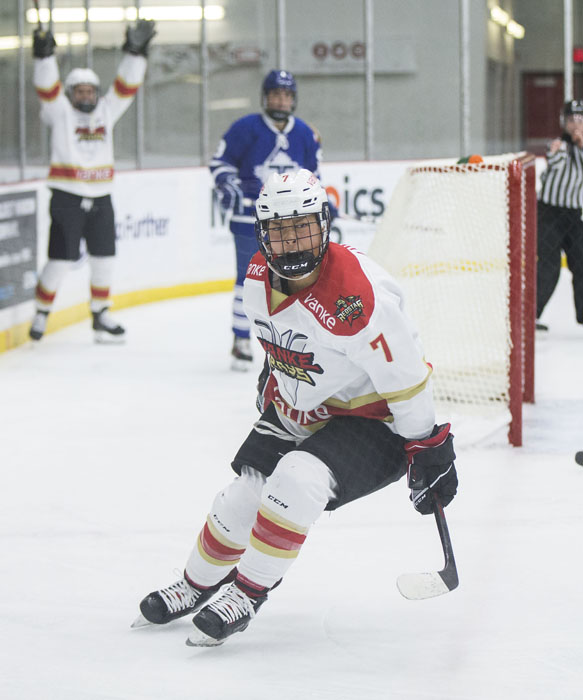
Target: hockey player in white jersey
(346, 408)
(252, 148)
(81, 170)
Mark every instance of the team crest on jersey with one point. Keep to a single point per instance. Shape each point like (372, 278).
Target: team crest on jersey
(278, 161)
(286, 353)
(84, 133)
(349, 308)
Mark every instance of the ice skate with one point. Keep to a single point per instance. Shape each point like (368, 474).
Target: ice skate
(39, 324)
(172, 602)
(231, 612)
(106, 329)
(242, 358)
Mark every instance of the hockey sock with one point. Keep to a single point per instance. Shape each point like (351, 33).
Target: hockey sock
(101, 277)
(293, 497)
(225, 535)
(50, 279)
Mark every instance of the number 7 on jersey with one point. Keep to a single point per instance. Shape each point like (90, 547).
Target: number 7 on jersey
(380, 340)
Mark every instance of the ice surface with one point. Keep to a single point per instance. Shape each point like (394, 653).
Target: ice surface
(110, 457)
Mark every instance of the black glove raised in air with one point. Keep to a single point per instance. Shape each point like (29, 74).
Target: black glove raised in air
(431, 469)
(138, 37)
(43, 43)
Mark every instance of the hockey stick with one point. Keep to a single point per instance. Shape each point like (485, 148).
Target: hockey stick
(35, 3)
(434, 583)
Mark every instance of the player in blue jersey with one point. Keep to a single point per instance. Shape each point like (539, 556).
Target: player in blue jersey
(254, 147)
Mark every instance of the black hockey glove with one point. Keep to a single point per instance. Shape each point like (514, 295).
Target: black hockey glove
(431, 469)
(138, 37)
(43, 43)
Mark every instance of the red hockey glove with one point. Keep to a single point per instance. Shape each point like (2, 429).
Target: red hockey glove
(431, 469)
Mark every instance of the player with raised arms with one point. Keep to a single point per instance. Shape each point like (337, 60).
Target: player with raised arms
(81, 173)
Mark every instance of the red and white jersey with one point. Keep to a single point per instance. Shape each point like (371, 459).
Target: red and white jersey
(343, 346)
(82, 144)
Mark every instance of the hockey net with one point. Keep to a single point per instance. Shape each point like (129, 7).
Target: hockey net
(461, 241)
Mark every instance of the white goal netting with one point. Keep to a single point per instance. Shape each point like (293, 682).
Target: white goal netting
(454, 236)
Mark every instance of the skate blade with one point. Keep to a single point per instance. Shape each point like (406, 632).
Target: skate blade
(105, 338)
(200, 639)
(140, 621)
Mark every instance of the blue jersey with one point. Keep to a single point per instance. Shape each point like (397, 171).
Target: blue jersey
(253, 148)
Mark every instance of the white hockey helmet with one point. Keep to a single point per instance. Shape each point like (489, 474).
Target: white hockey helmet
(289, 196)
(82, 76)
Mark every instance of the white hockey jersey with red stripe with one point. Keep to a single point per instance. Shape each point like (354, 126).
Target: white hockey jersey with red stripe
(82, 144)
(343, 346)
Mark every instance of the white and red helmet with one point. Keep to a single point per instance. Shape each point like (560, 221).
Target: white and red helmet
(289, 196)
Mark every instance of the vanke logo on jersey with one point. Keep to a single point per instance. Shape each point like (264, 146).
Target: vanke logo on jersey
(325, 317)
(349, 308)
(84, 133)
(294, 364)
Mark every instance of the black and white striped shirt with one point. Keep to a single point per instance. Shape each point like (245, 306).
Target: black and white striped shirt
(562, 181)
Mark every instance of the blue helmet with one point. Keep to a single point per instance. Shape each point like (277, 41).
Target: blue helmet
(274, 80)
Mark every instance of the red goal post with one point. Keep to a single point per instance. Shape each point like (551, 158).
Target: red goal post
(461, 240)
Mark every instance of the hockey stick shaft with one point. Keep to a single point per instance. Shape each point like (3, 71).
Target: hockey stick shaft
(36, 7)
(420, 586)
(449, 573)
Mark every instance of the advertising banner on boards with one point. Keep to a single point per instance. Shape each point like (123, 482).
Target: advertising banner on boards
(17, 247)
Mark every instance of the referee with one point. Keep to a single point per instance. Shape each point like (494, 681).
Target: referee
(560, 204)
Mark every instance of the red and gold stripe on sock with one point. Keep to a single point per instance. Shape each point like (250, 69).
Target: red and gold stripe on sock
(276, 536)
(217, 549)
(43, 296)
(99, 293)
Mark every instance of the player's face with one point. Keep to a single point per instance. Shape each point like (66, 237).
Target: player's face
(280, 99)
(295, 235)
(84, 94)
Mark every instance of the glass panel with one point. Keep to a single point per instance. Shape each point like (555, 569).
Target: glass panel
(417, 79)
(241, 52)
(172, 91)
(9, 135)
(326, 55)
(516, 86)
(538, 68)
